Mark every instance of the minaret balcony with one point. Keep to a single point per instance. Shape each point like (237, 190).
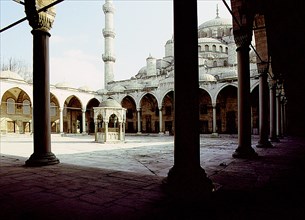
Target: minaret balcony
(108, 57)
(108, 32)
(108, 8)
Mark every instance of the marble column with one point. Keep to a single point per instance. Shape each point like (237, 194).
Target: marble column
(106, 131)
(272, 93)
(41, 24)
(244, 150)
(120, 131)
(186, 179)
(214, 134)
(61, 121)
(160, 120)
(139, 120)
(84, 121)
(263, 107)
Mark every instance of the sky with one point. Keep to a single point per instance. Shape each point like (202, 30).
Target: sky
(76, 44)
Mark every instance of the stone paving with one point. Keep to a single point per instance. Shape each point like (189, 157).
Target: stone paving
(124, 181)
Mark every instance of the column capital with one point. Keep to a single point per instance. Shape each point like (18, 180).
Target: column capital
(272, 84)
(42, 21)
(242, 37)
(262, 68)
(138, 109)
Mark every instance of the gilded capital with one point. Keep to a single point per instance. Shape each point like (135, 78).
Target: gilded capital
(43, 20)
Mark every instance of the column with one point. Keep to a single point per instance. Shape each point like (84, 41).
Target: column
(186, 179)
(263, 107)
(243, 38)
(279, 115)
(272, 93)
(120, 131)
(106, 131)
(61, 121)
(95, 128)
(284, 115)
(84, 121)
(41, 24)
(139, 120)
(214, 134)
(160, 120)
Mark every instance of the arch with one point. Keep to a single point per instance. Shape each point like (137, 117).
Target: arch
(149, 113)
(168, 113)
(16, 114)
(226, 110)
(220, 49)
(129, 103)
(90, 114)
(73, 118)
(205, 112)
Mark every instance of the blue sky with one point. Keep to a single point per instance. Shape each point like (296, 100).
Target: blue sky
(77, 43)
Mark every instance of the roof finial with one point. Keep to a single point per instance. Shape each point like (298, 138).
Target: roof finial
(217, 11)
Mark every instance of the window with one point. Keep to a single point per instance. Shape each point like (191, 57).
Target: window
(10, 106)
(220, 49)
(206, 48)
(227, 50)
(214, 48)
(225, 63)
(26, 109)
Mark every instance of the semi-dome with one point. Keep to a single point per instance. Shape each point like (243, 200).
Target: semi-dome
(110, 103)
(216, 22)
(10, 75)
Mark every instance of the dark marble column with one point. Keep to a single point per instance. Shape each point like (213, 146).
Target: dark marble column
(263, 109)
(279, 115)
(41, 24)
(272, 93)
(186, 179)
(244, 150)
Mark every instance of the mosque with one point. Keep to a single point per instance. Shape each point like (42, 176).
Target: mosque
(148, 96)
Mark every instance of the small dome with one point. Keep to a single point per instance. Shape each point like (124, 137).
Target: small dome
(85, 88)
(118, 88)
(205, 76)
(110, 103)
(102, 91)
(10, 75)
(63, 85)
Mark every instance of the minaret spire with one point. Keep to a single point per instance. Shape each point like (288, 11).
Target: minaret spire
(217, 11)
(109, 35)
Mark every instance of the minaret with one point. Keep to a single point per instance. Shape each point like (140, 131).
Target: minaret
(109, 35)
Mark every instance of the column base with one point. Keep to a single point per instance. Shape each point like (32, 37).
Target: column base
(274, 139)
(264, 144)
(44, 159)
(188, 184)
(245, 153)
(139, 132)
(214, 135)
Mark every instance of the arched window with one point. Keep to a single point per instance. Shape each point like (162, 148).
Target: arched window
(227, 50)
(206, 48)
(26, 108)
(10, 106)
(220, 49)
(214, 48)
(52, 109)
(225, 63)
(214, 64)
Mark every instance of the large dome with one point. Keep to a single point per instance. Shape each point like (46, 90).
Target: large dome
(216, 22)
